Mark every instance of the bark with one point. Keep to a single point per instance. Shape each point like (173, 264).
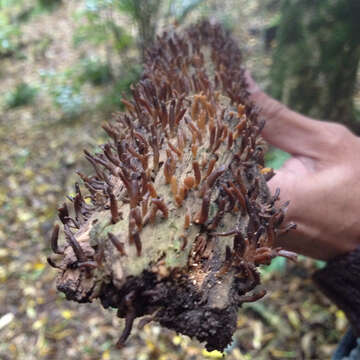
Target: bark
(146, 16)
(316, 59)
(178, 215)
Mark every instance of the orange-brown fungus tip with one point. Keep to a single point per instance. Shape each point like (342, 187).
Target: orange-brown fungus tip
(161, 206)
(210, 167)
(136, 213)
(197, 172)
(174, 185)
(187, 220)
(137, 241)
(215, 175)
(129, 106)
(202, 120)
(210, 109)
(230, 140)
(189, 182)
(179, 200)
(182, 192)
(241, 110)
(152, 190)
(113, 207)
(266, 170)
(184, 242)
(203, 214)
(169, 167)
(195, 108)
(194, 149)
(175, 150)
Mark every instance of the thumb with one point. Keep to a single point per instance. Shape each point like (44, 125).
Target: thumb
(289, 179)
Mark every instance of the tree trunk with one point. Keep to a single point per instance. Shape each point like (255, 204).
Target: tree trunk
(146, 15)
(316, 59)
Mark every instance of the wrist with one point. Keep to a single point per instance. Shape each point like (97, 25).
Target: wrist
(269, 107)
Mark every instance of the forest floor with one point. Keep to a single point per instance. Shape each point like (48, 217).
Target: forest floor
(39, 154)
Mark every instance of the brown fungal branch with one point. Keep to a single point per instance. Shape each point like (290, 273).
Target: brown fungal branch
(177, 215)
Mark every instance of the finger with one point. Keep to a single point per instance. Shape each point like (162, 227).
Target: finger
(252, 86)
(293, 179)
(296, 186)
(286, 181)
(294, 133)
(289, 130)
(283, 181)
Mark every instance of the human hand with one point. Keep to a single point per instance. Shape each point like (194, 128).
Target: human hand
(321, 179)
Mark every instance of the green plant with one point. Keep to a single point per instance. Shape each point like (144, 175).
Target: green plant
(49, 4)
(23, 94)
(68, 99)
(181, 9)
(99, 26)
(95, 71)
(12, 14)
(145, 14)
(275, 158)
(65, 90)
(9, 36)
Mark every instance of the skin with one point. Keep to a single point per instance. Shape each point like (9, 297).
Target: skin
(321, 179)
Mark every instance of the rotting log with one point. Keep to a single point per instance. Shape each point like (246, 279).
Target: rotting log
(177, 216)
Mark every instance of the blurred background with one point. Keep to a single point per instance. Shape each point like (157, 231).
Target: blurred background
(64, 67)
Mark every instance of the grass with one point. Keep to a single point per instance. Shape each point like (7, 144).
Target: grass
(23, 94)
(95, 71)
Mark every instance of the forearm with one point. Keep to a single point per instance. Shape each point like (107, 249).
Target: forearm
(297, 126)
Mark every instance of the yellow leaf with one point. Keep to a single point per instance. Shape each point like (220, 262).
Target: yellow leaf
(40, 300)
(177, 340)
(241, 321)
(39, 266)
(30, 291)
(265, 170)
(150, 345)
(293, 318)
(12, 348)
(38, 324)
(63, 334)
(2, 198)
(4, 252)
(42, 188)
(105, 355)
(23, 215)
(340, 314)
(213, 354)
(3, 274)
(67, 314)
(28, 173)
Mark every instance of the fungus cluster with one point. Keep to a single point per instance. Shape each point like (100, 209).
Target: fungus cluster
(177, 216)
